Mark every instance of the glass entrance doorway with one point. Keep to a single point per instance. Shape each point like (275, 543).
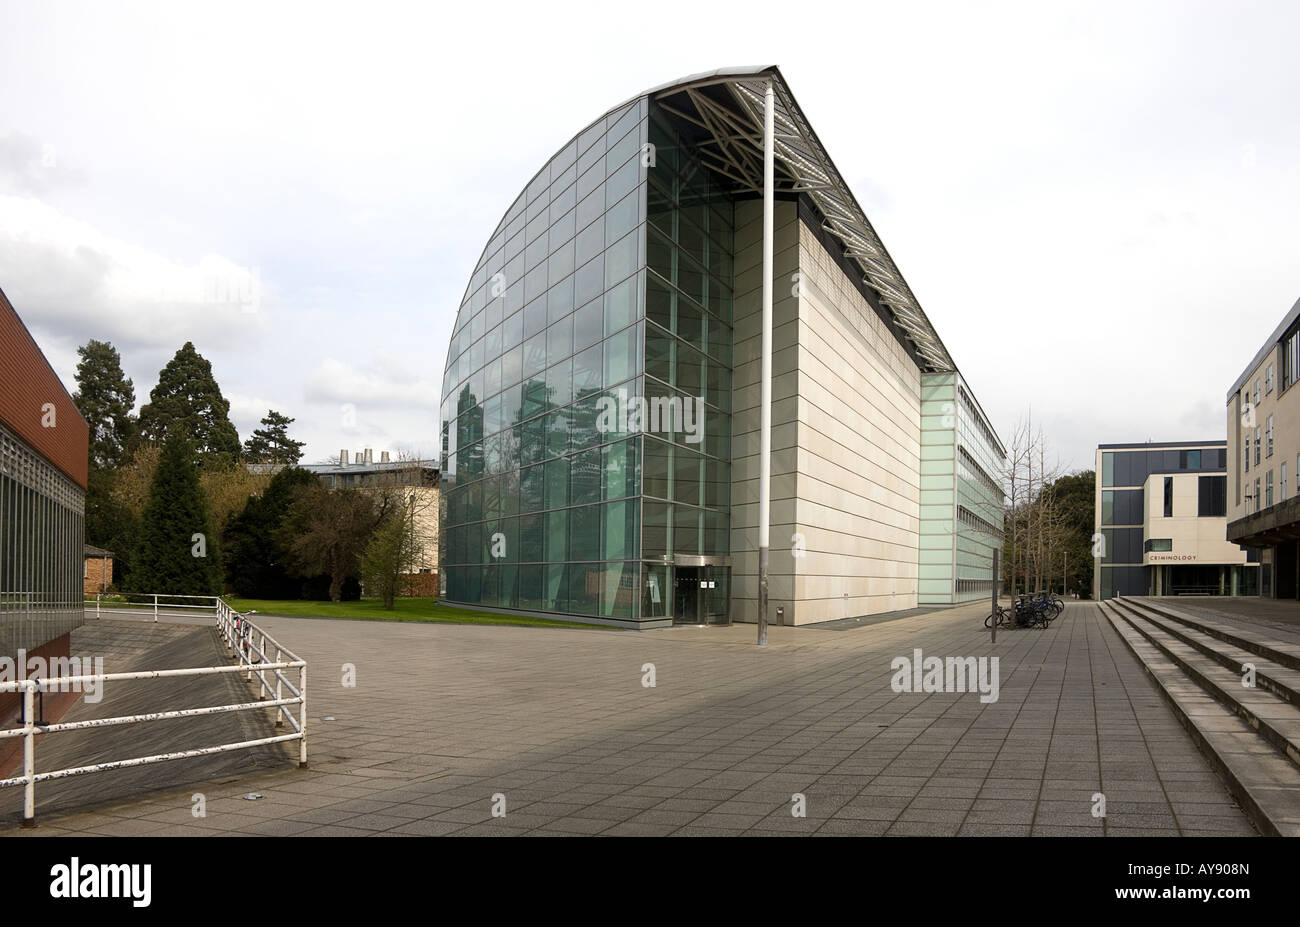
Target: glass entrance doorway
(701, 595)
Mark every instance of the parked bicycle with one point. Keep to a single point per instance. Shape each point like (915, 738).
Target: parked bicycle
(1027, 611)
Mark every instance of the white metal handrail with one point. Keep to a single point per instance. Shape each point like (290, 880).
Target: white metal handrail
(201, 603)
(239, 633)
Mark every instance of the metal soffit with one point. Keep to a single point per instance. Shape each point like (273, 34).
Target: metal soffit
(733, 147)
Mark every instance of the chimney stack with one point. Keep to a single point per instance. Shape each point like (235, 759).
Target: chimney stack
(343, 458)
(369, 456)
(383, 457)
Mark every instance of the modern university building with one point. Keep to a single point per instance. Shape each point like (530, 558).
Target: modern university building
(601, 413)
(1162, 511)
(1263, 438)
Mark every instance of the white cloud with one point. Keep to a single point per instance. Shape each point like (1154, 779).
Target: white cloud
(75, 282)
(382, 382)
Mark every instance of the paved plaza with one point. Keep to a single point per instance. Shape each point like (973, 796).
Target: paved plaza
(448, 722)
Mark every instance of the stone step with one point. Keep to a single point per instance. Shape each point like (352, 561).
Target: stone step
(1276, 721)
(1266, 785)
(1258, 640)
(1273, 677)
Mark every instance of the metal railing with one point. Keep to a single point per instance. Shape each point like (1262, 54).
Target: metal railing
(146, 603)
(251, 646)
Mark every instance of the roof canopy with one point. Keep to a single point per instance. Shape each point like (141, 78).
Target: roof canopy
(726, 106)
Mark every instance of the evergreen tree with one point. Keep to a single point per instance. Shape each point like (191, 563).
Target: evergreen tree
(271, 443)
(177, 551)
(257, 564)
(188, 398)
(105, 398)
(326, 531)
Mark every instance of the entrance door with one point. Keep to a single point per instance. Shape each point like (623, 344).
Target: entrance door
(686, 595)
(701, 595)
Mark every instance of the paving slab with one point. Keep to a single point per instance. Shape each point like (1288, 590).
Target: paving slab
(448, 723)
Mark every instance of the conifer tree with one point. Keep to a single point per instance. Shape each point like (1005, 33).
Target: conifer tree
(176, 551)
(188, 398)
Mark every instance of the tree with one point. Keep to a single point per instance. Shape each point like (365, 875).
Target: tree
(271, 443)
(105, 398)
(187, 397)
(177, 550)
(1075, 501)
(326, 531)
(1033, 517)
(228, 491)
(392, 550)
(257, 562)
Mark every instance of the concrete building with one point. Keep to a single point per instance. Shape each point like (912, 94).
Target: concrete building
(1263, 414)
(627, 276)
(44, 444)
(1161, 509)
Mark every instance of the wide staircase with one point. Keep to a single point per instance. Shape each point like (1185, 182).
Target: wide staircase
(1205, 667)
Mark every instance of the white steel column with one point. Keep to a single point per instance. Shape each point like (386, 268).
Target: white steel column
(765, 402)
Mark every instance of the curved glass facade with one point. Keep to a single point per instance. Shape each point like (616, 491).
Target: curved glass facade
(586, 399)
(587, 411)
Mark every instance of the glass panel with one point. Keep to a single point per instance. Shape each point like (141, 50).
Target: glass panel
(557, 483)
(557, 528)
(619, 530)
(584, 532)
(584, 588)
(584, 479)
(621, 474)
(654, 595)
(588, 369)
(686, 530)
(532, 537)
(656, 466)
(588, 325)
(654, 533)
(621, 356)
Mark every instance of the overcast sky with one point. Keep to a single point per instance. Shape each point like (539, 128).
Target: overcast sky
(1096, 204)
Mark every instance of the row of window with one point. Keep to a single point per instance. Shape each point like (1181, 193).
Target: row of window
(1262, 496)
(42, 546)
(1131, 468)
(967, 517)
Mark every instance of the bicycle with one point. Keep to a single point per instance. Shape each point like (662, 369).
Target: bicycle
(1005, 618)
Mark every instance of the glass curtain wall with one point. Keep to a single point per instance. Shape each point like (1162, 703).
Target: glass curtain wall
(42, 546)
(587, 395)
(686, 462)
(541, 507)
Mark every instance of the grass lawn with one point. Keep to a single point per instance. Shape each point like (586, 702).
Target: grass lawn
(404, 609)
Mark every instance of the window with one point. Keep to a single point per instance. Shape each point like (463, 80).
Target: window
(1107, 507)
(1258, 442)
(1268, 490)
(1256, 392)
(1268, 380)
(1159, 544)
(1256, 494)
(1269, 452)
(1291, 361)
(1212, 496)
(1282, 487)
(1169, 497)
(1247, 451)
(1107, 469)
